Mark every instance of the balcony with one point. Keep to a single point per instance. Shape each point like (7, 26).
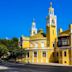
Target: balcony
(63, 41)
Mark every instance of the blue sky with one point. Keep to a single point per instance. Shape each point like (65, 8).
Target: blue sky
(16, 15)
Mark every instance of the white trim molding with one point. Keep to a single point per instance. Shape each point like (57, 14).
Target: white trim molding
(39, 49)
(65, 47)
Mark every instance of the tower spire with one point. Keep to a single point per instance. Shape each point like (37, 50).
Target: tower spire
(51, 27)
(51, 9)
(50, 4)
(33, 29)
(33, 23)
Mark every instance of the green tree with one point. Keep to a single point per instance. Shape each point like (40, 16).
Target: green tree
(12, 45)
(3, 50)
(18, 53)
(15, 42)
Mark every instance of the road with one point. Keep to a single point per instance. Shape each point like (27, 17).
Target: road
(14, 67)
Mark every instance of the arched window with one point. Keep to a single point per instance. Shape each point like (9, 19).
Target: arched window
(44, 53)
(35, 54)
(64, 53)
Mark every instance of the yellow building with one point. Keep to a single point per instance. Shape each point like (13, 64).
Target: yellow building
(50, 47)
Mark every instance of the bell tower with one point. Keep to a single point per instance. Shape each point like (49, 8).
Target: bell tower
(33, 29)
(51, 27)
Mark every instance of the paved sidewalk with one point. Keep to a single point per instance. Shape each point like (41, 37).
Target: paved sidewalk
(4, 67)
(52, 64)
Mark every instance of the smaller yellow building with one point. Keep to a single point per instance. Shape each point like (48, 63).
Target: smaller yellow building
(64, 49)
(48, 47)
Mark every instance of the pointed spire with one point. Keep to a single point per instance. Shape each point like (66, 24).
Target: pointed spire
(50, 4)
(33, 22)
(34, 29)
(51, 9)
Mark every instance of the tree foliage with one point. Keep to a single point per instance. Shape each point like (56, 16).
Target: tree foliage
(11, 46)
(18, 53)
(3, 50)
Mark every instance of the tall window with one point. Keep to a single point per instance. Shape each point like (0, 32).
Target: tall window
(28, 54)
(53, 54)
(44, 54)
(64, 53)
(57, 54)
(35, 54)
(60, 53)
(53, 45)
(36, 45)
(42, 44)
(59, 43)
(64, 41)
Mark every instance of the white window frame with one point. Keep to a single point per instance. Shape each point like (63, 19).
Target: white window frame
(42, 44)
(36, 45)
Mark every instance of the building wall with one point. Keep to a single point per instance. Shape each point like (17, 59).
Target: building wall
(51, 36)
(40, 58)
(34, 45)
(64, 56)
(25, 42)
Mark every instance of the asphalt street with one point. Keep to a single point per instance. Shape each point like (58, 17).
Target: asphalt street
(16, 67)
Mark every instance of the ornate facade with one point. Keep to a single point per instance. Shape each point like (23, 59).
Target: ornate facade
(50, 47)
